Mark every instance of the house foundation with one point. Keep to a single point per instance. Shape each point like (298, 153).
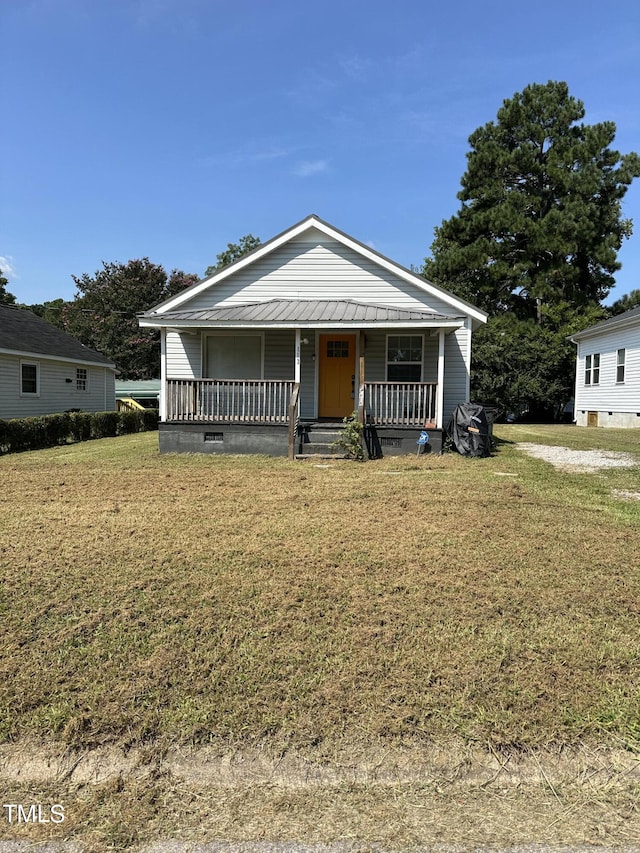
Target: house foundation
(273, 439)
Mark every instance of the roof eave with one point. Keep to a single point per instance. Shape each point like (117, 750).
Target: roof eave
(48, 357)
(307, 324)
(605, 326)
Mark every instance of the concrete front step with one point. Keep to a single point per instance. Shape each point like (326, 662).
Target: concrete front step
(305, 457)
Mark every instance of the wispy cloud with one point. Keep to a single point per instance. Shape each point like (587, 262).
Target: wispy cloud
(247, 157)
(7, 267)
(356, 68)
(311, 167)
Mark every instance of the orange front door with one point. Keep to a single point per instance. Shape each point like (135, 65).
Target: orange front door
(336, 376)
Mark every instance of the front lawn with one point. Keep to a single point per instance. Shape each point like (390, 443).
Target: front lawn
(240, 600)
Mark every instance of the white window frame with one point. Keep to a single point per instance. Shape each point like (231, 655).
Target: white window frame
(36, 364)
(388, 362)
(85, 380)
(621, 359)
(592, 369)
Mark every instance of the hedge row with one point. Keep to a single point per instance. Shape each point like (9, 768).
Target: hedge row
(52, 430)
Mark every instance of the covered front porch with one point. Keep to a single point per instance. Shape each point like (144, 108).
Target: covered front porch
(246, 376)
(254, 404)
(332, 375)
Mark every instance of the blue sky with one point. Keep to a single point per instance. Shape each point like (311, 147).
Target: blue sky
(168, 128)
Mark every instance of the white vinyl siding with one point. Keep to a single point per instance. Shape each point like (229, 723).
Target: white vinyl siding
(456, 360)
(184, 355)
(610, 394)
(317, 270)
(279, 354)
(56, 394)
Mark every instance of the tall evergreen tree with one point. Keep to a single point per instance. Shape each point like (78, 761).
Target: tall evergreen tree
(541, 218)
(625, 303)
(535, 242)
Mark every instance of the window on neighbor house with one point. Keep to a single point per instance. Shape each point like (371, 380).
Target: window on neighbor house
(29, 378)
(592, 369)
(81, 379)
(404, 358)
(622, 355)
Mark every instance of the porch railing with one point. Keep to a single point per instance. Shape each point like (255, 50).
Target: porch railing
(400, 403)
(270, 401)
(229, 400)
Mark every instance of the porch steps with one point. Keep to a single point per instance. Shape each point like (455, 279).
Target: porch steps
(315, 440)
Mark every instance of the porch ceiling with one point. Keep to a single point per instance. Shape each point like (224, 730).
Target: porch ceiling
(307, 313)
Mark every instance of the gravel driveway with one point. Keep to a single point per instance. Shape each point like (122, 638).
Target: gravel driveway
(579, 461)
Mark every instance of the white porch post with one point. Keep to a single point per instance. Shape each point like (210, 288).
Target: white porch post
(297, 359)
(440, 390)
(163, 375)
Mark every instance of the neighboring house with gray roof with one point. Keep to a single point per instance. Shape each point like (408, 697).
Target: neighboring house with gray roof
(608, 372)
(298, 334)
(44, 371)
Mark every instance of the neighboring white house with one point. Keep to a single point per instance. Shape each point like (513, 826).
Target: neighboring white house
(304, 330)
(608, 372)
(44, 371)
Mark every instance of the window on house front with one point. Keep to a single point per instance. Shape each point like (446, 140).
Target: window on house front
(592, 369)
(234, 357)
(404, 358)
(81, 379)
(622, 354)
(29, 378)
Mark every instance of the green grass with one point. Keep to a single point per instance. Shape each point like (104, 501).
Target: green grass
(240, 600)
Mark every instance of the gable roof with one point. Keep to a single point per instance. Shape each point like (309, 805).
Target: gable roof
(24, 333)
(285, 313)
(627, 318)
(307, 224)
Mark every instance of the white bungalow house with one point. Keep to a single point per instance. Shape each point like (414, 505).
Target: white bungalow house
(270, 353)
(44, 371)
(608, 372)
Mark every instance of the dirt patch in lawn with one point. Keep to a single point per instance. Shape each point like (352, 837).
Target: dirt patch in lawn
(566, 459)
(369, 793)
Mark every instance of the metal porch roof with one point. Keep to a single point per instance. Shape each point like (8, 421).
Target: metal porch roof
(300, 312)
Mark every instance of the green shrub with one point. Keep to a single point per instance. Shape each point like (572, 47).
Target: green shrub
(80, 425)
(350, 438)
(129, 422)
(105, 424)
(150, 419)
(58, 428)
(42, 431)
(5, 436)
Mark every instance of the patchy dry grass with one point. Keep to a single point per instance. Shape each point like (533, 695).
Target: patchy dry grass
(237, 600)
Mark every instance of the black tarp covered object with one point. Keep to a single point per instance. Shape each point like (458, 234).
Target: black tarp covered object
(469, 429)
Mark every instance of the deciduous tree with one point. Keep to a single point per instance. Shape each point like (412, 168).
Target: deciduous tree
(233, 252)
(103, 313)
(6, 298)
